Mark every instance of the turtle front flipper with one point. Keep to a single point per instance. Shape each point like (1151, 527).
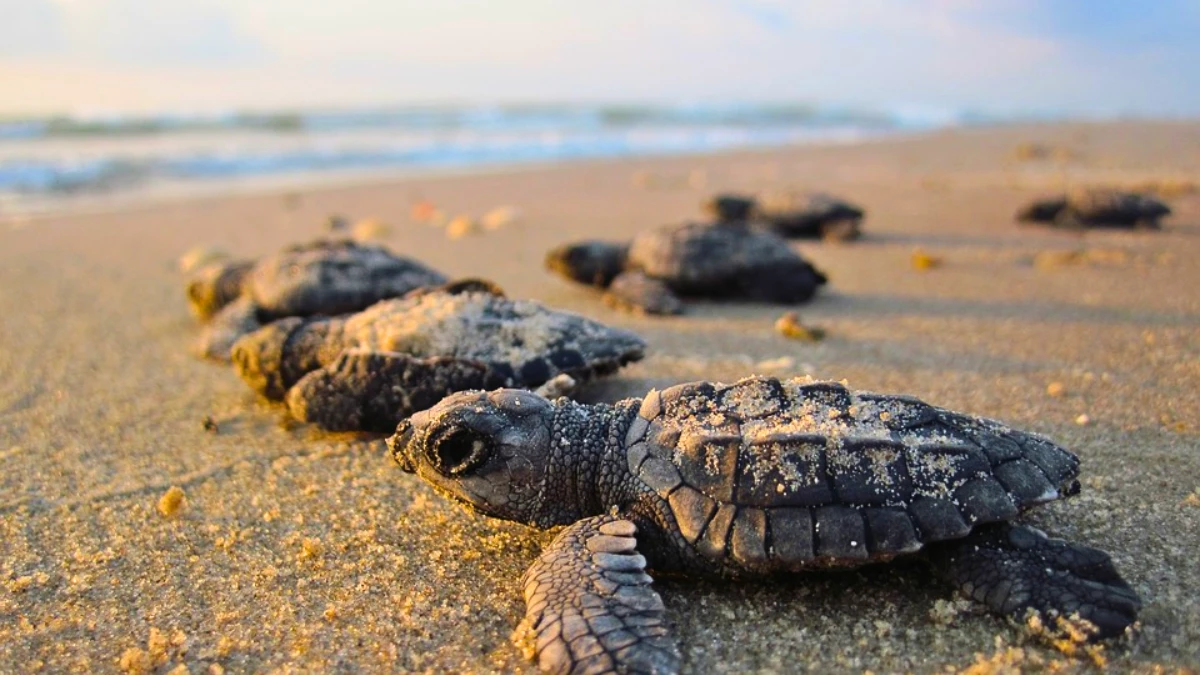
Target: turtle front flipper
(1013, 568)
(227, 326)
(589, 605)
(274, 357)
(634, 291)
(374, 390)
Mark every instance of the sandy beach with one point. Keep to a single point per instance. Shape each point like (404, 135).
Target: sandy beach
(299, 551)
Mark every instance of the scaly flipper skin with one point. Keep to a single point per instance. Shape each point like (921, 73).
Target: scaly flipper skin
(636, 292)
(226, 327)
(373, 391)
(1013, 568)
(589, 606)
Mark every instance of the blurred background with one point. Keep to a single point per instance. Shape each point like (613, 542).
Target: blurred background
(130, 96)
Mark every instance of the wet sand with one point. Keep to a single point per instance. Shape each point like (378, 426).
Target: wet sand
(297, 551)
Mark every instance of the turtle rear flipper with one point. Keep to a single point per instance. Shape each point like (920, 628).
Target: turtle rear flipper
(374, 390)
(274, 357)
(637, 292)
(589, 605)
(842, 229)
(1013, 568)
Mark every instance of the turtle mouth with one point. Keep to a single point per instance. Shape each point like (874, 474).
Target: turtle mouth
(399, 443)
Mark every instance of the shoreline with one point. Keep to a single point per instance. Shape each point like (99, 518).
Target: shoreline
(294, 550)
(45, 205)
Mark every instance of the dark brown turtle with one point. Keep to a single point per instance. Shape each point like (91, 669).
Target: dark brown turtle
(369, 370)
(323, 277)
(814, 215)
(650, 273)
(760, 477)
(1096, 208)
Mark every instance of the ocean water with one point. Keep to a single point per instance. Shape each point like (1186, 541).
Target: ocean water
(48, 160)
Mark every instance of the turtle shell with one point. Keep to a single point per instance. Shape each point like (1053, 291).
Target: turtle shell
(767, 474)
(333, 277)
(806, 215)
(1114, 207)
(524, 341)
(708, 258)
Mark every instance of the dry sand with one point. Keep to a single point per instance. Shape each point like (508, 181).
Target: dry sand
(293, 551)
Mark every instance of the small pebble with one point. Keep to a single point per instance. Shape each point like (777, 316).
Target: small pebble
(1083, 420)
(460, 227)
(1056, 389)
(369, 229)
(423, 211)
(789, 326)
(500, 217)
(311, 548)
(923, 262)
(135, 660)
(171, 501)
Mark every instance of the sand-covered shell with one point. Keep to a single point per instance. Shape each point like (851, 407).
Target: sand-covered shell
(402, 355)
(1096, 207)
(324, 277)
(796, 473)
(715, 260)
(792, 214)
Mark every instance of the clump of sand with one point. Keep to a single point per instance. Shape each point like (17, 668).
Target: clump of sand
(172, 501)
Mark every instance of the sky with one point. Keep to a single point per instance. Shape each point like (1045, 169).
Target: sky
(1091, 57)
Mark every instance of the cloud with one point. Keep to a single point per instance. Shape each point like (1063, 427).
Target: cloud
(1067, 54)
(143, 33)
(29, 28)
(158, 33)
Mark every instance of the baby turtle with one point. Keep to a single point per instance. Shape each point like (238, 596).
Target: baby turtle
(369, 370)
(1097, 208)
(692, 259)
(760, 477)
(320, 277)
(813, 215)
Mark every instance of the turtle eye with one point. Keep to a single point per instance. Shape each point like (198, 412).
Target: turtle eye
(458, 451)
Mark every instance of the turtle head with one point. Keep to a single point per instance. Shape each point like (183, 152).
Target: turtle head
(1042, 211)
(215, 285)
(489, 450)
(589, 262)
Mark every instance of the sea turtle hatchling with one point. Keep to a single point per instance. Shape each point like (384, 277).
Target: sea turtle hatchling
(324, 277)
(795, 215)
(369, 370)
(1095, 208)
(763, 476)
(712, 260)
